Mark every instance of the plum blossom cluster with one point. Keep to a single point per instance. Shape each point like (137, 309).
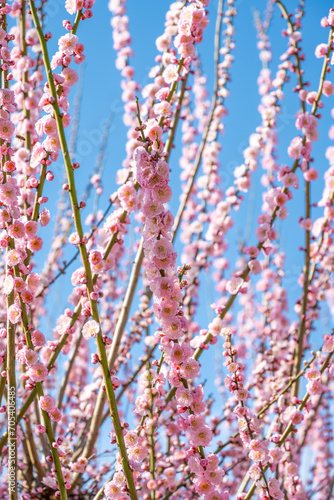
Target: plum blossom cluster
(69, 49)
(248, 425)
(138, 452)
(152, 174)
(78, 7)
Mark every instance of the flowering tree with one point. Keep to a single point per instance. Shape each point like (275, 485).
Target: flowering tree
(111, 401)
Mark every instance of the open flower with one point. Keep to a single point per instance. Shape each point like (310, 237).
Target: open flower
(90, 329)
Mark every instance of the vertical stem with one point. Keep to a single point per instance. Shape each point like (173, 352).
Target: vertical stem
(11, 406)
(46, 418)
(302, 323)
(32, 450)
(151, 431)
(84, 257)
